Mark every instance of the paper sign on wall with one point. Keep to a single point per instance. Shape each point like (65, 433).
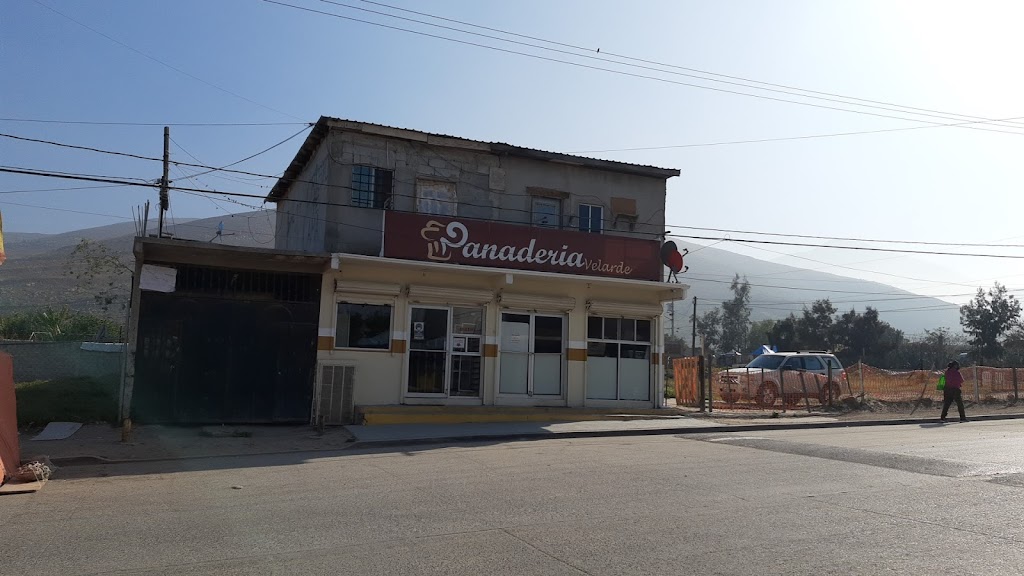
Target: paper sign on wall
(158, 278)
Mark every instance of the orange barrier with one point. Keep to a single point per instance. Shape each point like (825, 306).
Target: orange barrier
(686, 376)
(10, 455)
(981, 384)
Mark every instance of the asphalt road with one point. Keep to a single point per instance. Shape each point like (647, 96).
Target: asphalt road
(900, 500)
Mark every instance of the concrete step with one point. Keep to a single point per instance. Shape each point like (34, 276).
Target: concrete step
(371, 415)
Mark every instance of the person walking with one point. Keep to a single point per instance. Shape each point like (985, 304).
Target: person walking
(952, 392)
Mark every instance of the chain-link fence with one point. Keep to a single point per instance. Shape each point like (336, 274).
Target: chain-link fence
(59, 360)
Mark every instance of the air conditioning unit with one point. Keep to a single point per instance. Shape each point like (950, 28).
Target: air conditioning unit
(333, 402)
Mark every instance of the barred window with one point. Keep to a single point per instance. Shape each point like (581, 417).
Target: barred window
(371, 187)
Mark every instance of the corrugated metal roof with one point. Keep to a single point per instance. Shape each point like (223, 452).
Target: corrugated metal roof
(326, 123)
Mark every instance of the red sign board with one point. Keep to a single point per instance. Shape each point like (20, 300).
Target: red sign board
(486, 243)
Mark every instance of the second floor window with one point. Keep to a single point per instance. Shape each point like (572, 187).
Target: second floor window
(436, 197)
(547, 212)
(591, 218)
(371, 187)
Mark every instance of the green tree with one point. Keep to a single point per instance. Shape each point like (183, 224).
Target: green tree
(736, 316)
(101, 273)
(988, 318)
(784, 334)
(856, 336)
(941, 346)
(814, 329)
(709, 328)
(1013, 348)
(760, 333)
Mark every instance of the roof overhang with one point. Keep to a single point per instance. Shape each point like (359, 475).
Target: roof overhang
(167, 251)
(666, 292)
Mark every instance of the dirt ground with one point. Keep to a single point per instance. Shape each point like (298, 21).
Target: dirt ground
(852, 409)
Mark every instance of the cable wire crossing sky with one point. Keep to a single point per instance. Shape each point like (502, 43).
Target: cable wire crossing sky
(878, 126)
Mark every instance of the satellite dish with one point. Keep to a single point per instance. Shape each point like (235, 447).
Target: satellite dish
(673, 259)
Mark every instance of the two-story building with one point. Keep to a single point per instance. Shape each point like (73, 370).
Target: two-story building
(468, 272)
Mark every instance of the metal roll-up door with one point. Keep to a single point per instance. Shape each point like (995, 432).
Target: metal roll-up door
(534, 302)
(375, 288)
(449, 295)
(624, 310)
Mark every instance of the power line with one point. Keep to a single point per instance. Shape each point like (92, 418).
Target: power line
(780, 139)
(165, 64)
(210, 169)
(865, 248)
(846, 239)
(114, 180)
(621, 72)
(65, 210)
(590, 56)
(251, 156)
(667, 65)
(26, 191)
(150, 124)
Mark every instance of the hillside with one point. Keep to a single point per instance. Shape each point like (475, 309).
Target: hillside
(36, 274)
(37, 271)
(778, 289)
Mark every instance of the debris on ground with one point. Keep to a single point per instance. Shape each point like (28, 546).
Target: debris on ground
(38, 469)
(58, 431)
(224, 432)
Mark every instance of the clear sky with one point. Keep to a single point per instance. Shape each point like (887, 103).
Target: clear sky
(252, 61)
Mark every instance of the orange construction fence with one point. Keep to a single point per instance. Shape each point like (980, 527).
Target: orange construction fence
(768, 390)
(686, 378)
(10, 454)
(981, 383)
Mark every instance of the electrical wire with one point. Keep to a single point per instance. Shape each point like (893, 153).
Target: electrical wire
(251, 156)
(165, 64)
(663, 64)
(846, 239)
(623, 72)
(780, 139)
(114, 180)
(150, 124)
(658, 234)
(590, 56)
(30, 190)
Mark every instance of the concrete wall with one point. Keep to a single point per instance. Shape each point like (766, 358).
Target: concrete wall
(52, 360)
(302, 217)
(488, 186)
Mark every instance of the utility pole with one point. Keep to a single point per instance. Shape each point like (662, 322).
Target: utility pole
(672, 317)
(693, 337)
(164, 199)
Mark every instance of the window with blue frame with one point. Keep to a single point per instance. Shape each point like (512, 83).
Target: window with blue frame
(591, 218)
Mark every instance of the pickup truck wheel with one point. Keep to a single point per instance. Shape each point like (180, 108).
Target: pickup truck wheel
(767, 394)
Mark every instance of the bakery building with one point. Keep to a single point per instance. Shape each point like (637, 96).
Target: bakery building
(472, 273)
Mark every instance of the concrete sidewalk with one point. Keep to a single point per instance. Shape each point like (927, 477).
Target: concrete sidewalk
(96, 444)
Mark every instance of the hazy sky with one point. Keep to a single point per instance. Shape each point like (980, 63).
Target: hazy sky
(272, 63)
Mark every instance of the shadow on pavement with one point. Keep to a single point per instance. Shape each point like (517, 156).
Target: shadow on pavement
(212, 463)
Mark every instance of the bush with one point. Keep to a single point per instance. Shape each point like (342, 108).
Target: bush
(77, 399)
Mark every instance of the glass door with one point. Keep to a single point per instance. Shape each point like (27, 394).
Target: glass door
(532, 355)
(445, 351)
(428, 350)
(467, 352)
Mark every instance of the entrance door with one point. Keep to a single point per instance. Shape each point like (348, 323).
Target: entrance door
(532, 355)
(445, 352)
(428, 350)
